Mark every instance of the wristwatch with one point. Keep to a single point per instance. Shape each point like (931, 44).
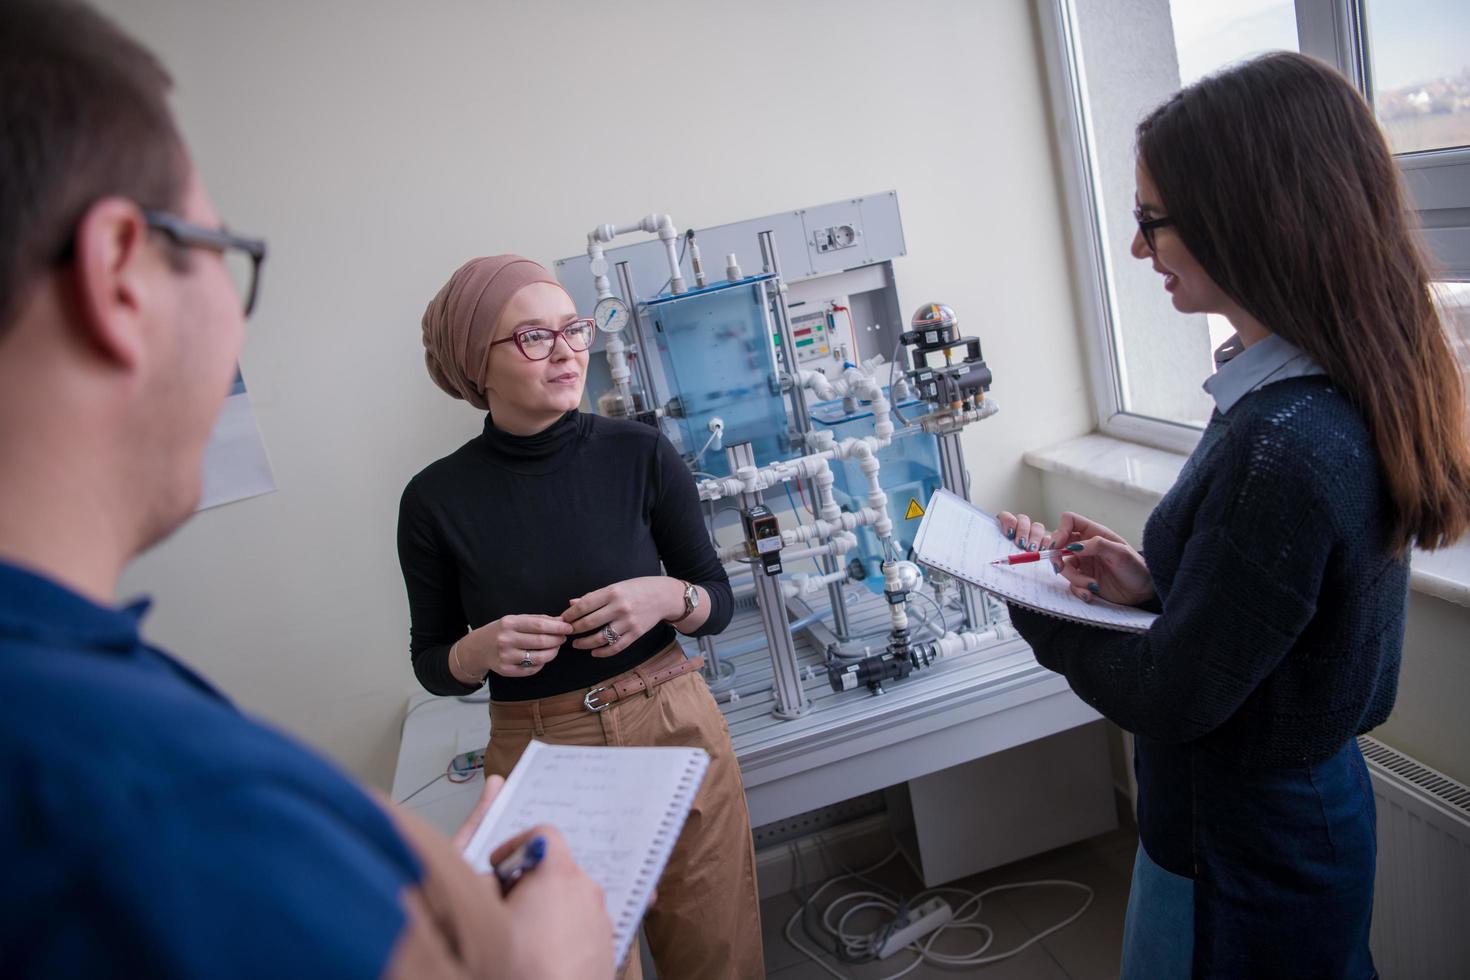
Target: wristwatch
(691, 603)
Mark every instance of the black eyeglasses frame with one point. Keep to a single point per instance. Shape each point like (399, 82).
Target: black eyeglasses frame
(1147, 225)
(190, 235)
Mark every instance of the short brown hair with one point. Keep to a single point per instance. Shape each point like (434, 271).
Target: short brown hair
(84, 115)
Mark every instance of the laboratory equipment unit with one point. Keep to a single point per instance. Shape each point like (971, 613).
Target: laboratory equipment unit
(788, 365)
(817, 414)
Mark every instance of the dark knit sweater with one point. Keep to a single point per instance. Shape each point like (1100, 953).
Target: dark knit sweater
(1283, 607)
(512, 525)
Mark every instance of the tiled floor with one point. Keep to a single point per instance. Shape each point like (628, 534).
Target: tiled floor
(1087, 949)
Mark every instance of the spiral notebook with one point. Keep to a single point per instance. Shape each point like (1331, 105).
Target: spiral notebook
(961, 539)
(619, 809)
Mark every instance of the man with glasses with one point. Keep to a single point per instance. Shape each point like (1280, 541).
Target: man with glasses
(147, 828)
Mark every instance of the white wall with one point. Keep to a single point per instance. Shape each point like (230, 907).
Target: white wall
(378, 145)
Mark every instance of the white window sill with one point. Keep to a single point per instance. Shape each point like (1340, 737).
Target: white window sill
(1146, 474)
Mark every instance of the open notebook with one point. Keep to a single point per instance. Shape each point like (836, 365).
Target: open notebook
(620, 810)
(961, 539)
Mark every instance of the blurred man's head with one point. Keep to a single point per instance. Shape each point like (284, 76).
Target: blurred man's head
(117, 341)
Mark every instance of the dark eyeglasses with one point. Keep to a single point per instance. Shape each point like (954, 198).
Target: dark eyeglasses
(1146, 226)
(536, 343)
(243, 256)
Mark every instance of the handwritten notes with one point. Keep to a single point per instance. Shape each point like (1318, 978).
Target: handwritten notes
(619, 809)
(961, 539)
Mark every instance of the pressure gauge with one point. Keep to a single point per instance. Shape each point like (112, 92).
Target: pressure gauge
(611, 315)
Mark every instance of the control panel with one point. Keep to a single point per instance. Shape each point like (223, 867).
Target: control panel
(822, 333)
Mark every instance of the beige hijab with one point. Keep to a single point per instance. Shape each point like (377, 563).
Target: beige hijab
(459, 322)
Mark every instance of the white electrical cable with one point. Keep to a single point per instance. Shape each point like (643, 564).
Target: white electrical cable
(713, 435)
(864, 946)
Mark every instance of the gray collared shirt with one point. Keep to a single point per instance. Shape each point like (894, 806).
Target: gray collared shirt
(1240, 370)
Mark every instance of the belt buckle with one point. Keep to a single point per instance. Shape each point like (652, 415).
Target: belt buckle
(588, 701)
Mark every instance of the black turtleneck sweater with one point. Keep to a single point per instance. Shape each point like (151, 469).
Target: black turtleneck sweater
(509, 525)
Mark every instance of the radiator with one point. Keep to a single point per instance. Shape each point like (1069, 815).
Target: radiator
(1421, 904)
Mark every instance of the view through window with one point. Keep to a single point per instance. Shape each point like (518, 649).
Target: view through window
(1127, 58)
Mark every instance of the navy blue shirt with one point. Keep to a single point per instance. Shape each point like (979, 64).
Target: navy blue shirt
(148, 828)
(1283, 621)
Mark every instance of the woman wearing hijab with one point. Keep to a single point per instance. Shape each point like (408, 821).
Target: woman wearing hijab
(554, 557)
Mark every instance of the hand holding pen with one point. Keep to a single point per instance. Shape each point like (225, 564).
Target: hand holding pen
(1095, 560)
(559, 923)
(511, 860)
(519, 862)
(554, 921)
(1054, 555)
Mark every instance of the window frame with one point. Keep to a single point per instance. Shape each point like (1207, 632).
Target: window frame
(1438, 182)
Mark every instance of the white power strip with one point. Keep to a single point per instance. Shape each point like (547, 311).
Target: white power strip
(920, 921)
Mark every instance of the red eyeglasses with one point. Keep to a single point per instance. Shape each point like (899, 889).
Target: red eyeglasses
(536, 343)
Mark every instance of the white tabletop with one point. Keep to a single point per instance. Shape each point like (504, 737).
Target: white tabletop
(435, 730)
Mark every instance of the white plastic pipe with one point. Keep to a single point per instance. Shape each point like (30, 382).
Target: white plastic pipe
(597, 262)
(822, 530)
(952, 644)
(617, 362)
(898, 614)
(802, 584)
(838, 544)
(855, 382)
(816, 466)
(661, 225)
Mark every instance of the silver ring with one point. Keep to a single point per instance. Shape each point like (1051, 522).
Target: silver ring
(526, 661)
(610, 635)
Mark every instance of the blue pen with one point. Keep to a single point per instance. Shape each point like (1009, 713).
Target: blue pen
(521, 860)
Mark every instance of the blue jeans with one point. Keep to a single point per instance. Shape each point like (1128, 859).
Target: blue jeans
(1268, 871)
(1158, 932)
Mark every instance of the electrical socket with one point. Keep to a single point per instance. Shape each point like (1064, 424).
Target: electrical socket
(921, 920)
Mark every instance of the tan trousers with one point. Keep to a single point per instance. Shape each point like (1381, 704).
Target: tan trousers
(705, 922)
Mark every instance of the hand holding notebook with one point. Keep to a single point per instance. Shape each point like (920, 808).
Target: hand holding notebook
(620, 811)
(960, 539)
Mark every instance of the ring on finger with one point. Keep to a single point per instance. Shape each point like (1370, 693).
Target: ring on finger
(611, 635)
(526, 661)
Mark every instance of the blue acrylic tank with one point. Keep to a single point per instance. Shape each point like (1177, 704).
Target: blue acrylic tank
(908, 471)
(716, 350)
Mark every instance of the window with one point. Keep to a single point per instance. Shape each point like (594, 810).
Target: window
(1454, 307)
(1111, 63)
(1419, 72)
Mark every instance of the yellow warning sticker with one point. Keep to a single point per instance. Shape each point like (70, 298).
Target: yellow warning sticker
(914, 510)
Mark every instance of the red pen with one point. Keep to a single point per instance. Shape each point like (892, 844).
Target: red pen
(1022, 557)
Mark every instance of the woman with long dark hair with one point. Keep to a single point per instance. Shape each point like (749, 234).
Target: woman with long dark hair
(1279, 560)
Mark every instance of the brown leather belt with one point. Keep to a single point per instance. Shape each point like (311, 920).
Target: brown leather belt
(658, 669)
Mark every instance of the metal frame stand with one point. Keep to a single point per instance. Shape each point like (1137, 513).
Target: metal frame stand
(718, 674)
(791, 701)
(956, 480)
